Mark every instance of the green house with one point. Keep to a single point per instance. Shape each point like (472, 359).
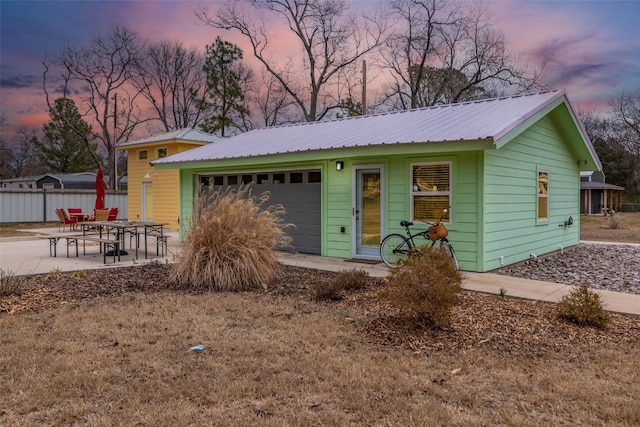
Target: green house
(509, 168)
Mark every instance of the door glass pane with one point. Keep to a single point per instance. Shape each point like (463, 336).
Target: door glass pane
(370, 208)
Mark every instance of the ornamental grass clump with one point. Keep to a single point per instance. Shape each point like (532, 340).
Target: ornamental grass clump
(232, 241)
(10, 284)
(614, 222)
(427, 287)
(583, 307)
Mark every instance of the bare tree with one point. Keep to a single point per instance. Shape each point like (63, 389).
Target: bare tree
(610, 140)
(22, 159)
(273, 102)
(329, 37)
(626, 112)
(479, 51)
(99, 76)
(5, 151)
(171, 78)
(443, 53)
(418, 35)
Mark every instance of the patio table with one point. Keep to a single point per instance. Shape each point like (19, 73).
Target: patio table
(81, 216)
(151, 228)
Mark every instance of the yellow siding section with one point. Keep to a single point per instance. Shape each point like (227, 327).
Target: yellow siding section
(166, 184)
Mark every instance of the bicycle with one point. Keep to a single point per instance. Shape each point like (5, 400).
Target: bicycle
(395, 248)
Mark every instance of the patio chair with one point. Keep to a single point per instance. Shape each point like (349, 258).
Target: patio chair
(64, 220)
(113, 214)
(76, 213)
(101, 214)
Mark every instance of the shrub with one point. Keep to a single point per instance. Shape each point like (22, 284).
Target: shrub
(583, 307)
(80, 274)
(614, 222)
(353, 279)
(55, 272)
(10, 284)
(427, 287)
(330, 290)
(231, 243)
(346, 280)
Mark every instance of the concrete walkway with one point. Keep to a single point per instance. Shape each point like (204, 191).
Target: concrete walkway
(30, 255)
(481, 282)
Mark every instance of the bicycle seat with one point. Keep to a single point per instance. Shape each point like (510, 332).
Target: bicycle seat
(406, 223)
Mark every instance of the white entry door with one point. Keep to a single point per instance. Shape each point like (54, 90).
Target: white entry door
(147, 201)
(368, 199)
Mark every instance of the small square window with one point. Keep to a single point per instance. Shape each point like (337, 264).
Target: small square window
(218, 180)
(430, 191)
(262, 178)
(247, 179)
(142, 155)
(162, 152)
(278, 178)
(232, 180)
(295, 178)
(315, 177)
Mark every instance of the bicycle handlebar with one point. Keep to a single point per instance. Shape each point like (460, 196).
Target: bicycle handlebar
(407, 224)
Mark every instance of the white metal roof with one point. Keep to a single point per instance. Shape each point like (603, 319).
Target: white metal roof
(467, 121)
(185, 134)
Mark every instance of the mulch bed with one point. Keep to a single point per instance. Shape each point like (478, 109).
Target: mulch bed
(501, 324)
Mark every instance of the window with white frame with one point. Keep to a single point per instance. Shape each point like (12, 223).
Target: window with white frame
(543, 195)
(142, 154)
(430, 191)
(161, 152)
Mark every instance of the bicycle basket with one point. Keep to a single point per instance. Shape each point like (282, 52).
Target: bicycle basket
(437, 231)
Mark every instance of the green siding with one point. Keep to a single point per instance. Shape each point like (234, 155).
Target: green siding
(494, 190)
(338, 198)
(338, 211)
(463, 230)
(511, 228)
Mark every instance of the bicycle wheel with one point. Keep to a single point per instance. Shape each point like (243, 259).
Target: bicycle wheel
(394, 250)
(446, 247)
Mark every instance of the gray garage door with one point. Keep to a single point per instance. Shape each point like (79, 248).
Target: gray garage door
(298, 191)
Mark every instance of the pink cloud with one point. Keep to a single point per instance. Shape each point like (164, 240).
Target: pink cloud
(578, 52)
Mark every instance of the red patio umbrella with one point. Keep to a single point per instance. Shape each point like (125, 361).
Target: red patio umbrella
(99, 190)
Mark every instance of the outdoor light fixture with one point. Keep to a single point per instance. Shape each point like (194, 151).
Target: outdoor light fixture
(147, 175)
(339, 165)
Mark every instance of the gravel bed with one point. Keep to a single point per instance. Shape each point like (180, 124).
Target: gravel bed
(599, 266)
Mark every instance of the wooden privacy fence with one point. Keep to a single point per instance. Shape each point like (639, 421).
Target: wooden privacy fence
(40, 204)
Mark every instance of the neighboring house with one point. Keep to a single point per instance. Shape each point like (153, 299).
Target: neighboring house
(598, 197)
(508, 167)
(20, 182)
(71, 181)
(153, 195)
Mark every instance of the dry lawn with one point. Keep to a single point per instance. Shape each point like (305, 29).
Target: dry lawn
(112, 348)
(599, 228)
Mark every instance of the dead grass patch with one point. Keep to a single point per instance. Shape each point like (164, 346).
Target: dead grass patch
(625, 229)
(112, 348)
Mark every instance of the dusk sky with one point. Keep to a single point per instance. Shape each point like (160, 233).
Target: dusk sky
(591, 48)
